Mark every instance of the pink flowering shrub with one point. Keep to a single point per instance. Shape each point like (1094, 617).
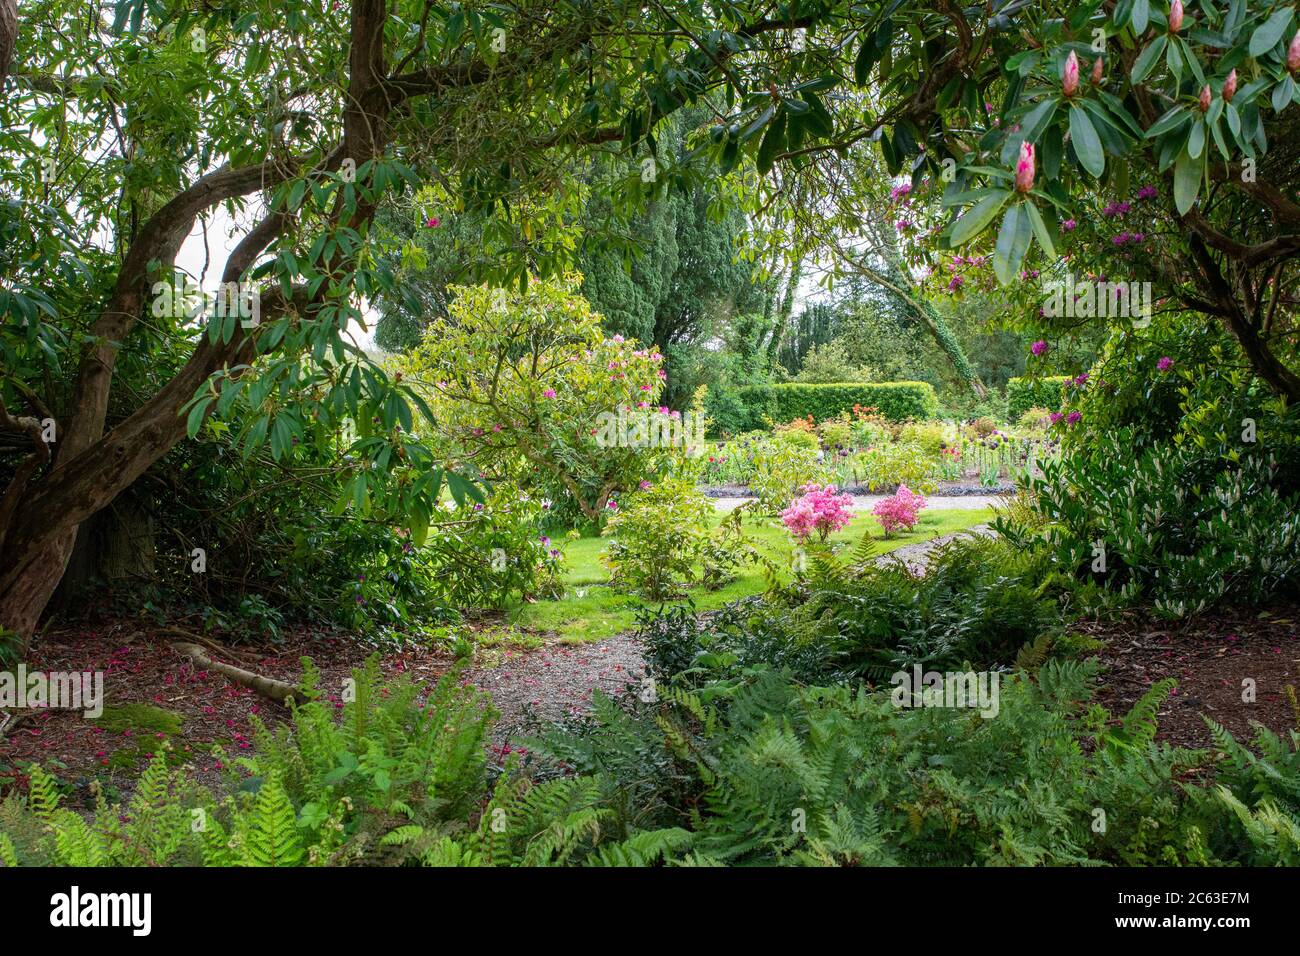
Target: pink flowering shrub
(819, 509)
(902, 511)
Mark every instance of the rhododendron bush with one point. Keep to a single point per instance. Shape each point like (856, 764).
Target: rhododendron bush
(527, 388)
(900, 511)
(819, 510)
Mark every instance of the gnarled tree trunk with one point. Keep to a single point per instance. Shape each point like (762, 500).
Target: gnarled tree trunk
(8, 36)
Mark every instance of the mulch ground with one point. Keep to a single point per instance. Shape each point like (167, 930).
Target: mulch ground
(1213, 658)
(140, 667)
(1210, 658)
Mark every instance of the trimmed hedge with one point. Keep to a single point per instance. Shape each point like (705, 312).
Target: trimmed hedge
(897, 401)
(1026, 393)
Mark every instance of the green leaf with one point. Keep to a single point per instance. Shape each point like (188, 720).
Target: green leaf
(1270, 32)
(1036, 120)
(1196, 140)
(1234, 120)
(1141, 14)
(195, 419)
(1012, 244)
(1282, 94)
(1148, 59)
(773, 142)
(1087, 145)
(1187, 182)
(978, 216)
(1041, 232)
(1176, 117)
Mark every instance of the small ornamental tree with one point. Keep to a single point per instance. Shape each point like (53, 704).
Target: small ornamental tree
(525, 387)
(819, 510)
(900, 511)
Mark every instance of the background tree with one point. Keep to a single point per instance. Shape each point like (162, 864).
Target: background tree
(299, 121)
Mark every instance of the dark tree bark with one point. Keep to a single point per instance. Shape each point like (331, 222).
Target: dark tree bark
(8, 36)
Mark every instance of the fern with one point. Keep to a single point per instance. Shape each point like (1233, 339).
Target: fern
(270, 836)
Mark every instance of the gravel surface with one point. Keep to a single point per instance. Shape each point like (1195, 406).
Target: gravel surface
(558, 680)
(937, 502)
(917, 556)
(945, 489)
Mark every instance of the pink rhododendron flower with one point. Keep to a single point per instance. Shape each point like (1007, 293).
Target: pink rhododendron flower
(1165, 363)
(549, 393)
(818, 509)
(899, 512)
(1070, 82)
(1025, 168)
(1230, 87)
(1039, 347)
(1098, 70)
(1176, 16)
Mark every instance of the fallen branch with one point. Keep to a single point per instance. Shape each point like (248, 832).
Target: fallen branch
(189, 637)
(282, 692)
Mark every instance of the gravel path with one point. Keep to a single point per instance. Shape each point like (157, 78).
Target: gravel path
(917, 556)
(558, 680)
(936, 502)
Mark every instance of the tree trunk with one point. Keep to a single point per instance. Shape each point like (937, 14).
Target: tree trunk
(24, 599)
(116, 544)
(8, 36)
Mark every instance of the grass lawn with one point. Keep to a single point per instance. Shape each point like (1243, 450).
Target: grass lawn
(591, 611)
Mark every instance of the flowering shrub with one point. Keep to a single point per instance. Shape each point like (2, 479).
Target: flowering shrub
(800, 432)
(485, 554)
(779, 468)
(526, 387)
(820, 510)
(836, 433)
(900, 512)
(1035, 420)
(659, 537)
(933, 437)
(900, 463)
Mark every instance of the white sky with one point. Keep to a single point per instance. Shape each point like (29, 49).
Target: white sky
(223, 234)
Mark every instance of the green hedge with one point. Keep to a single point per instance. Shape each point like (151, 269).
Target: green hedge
(897, 401)
(1026, 393)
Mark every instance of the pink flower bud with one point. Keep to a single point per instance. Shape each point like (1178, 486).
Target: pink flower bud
(1293, 54)
(1205, 97)
(1070, 84)
(1176, 16)
(1230, 87)
(1098, 68)
(1025, 168)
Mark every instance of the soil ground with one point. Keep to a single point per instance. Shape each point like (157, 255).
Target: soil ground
(1212, 658)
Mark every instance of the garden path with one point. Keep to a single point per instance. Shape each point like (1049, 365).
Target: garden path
(558, 680)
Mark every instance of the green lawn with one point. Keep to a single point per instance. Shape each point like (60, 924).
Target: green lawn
(590, 611)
